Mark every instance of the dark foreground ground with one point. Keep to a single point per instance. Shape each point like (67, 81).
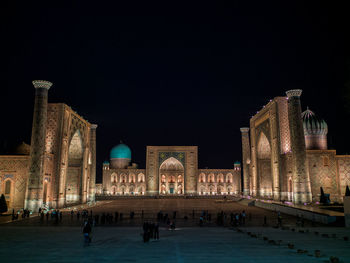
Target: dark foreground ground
(51, 240)
(192, 244)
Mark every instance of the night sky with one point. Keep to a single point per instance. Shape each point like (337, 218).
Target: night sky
(174, 74)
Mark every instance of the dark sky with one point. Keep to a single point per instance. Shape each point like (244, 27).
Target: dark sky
(174, 74)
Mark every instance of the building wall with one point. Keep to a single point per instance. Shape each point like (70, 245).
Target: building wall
(219, 181)
(62, 124)
(325, 168)
(343, 171)
(323, 173)
(156, 155)
(123, 181)
(14, 169)
(194, 181)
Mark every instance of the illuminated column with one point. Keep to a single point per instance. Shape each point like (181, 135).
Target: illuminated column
(92, 188)
(301, 179)
(254, 168)
(85, 179)
(34, 195)
(245, 160)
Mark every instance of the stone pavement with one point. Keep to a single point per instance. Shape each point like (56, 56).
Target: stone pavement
(115, 244)
(150, 207)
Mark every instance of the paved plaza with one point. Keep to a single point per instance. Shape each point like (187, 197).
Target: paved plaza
(33, 240)
(147, 209)
(124, 244)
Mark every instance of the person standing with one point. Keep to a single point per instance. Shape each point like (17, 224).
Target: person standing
(243, 217)
(156, 231)
(87, 233)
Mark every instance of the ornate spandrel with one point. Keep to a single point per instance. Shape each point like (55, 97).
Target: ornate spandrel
(180, 156)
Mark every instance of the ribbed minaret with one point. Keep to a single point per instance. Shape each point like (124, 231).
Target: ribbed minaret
(245, 160)
(34, 196)
(92, 184)
(301, 179)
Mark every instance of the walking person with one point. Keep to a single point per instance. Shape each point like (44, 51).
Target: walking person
(87, 233)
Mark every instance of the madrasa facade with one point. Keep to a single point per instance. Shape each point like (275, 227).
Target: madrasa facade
(286, 157)
(58, 169)
(170, 171)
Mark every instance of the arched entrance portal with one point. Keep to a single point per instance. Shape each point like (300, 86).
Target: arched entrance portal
(75, 170)
(264, 166)
(171, 174)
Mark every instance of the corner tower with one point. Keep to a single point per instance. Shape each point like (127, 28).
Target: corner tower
(301, 179)
(34, 195)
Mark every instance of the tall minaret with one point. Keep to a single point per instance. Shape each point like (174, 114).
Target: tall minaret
(245, 160)
(34, 195)
(92, 184)
(301, 179)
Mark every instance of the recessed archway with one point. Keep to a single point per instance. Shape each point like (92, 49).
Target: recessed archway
(264, 166)
(171, 176)
(75, 169)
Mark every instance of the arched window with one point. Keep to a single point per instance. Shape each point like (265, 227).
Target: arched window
(114, 178)
(163, 178)
(219, 190)
(8, 187)
(325, 161)
(202, 178)
(179, 179)
(123, 178)
(220, 178)
(229, 178)
(131, 178)
(179, 190)
(211, 178)
(141, 178)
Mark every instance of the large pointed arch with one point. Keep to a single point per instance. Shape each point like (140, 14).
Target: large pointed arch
(170, 170)
(264, 166)
(171, 164)
(75, 169)
(263, 147)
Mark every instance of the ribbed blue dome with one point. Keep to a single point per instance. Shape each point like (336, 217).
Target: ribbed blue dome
(313, 125)
(121, 151)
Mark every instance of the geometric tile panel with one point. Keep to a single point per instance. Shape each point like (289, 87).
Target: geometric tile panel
(344, 173)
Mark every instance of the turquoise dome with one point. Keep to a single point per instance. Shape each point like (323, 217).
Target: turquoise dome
(105, 162)
(121, 151)
(237, 162)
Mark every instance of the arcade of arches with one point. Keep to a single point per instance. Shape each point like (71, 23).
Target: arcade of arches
(170, 170)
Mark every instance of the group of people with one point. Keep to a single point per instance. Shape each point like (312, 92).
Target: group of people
(55, 214)
(25, 213)
(236, 219)
(150, 231)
